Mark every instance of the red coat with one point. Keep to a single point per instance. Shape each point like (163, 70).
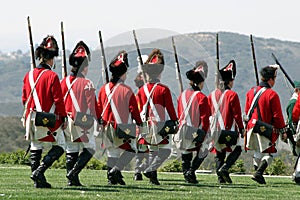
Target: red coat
(270, 109)
(49, 92)
(84, 92)
(125, 103)
(230, 108)
(161, 98)
(296, 110)
(199, 111)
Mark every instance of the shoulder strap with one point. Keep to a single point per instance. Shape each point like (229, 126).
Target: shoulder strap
(33, 91)
(255, 101)
(217, 108)
(145, 106)
(74, 100)
(149, 100)
(69, 87)
(109, 94)
(186, 106)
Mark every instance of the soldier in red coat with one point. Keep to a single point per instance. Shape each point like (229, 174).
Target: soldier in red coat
(226, 117)
(79, 96)
(194, 112)
(268, 110)
(41, 91)
(155, 99)
(118, 105)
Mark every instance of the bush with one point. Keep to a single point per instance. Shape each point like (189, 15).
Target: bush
(171, 166)
(276, 168)
(14, 158)
(238, 167)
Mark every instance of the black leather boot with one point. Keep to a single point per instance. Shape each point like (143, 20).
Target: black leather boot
(38, 175)
(71, 159)
(111, 162)
(186, 164)
(35, 158)
(83, 159)
(219, 159)
(195, 165)
(231, 159)
(258, 176)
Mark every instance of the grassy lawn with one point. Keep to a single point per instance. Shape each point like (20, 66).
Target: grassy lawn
(15, 183)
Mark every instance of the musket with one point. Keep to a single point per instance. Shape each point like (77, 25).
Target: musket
(283, 71)
(177, 68)
(217, 64)
(63, 60)
(254, 60)
(31, 44)
(103, 59)
(139, 55)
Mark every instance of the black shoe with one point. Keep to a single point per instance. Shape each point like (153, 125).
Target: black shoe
(39, 180)
(259, 179)
(119, 178)
(147, 174)
(221, 180)
(225, 175)
(73, 180)
(190, 177)
(154, 181)
(138, 177)
(297, 180)
(153, 177)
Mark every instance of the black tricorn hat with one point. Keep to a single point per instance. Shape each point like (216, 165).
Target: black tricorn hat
(199, 73)
(154, 65)
(118, 66)
(80, 55)
(228, 72)
(48, 49)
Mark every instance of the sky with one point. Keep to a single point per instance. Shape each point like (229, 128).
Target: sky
(83, 19)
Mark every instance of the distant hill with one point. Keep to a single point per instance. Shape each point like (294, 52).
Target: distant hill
(190, 48)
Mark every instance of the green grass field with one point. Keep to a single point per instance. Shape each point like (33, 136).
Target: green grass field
(15, 183)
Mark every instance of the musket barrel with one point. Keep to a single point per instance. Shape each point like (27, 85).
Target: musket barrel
(63, 60)
(177, 68)
(217, 64)
(254, 59)
(283, 71)
(31, 44)
(103, 59)
(139, 55)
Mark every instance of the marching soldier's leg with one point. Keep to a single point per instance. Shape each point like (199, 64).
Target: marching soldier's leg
(197, 161)
(219, 159)
(151, 171)
(72, 152)
(112, 157)
(38, 175)
(35, 158)
(139, 166)
(83, 159)
(258, 176)
(296, 175)
(124, 159)
(230, 160)
(71, 159)
(186, 158)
